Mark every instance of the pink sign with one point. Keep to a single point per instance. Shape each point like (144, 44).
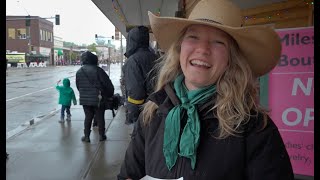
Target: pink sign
(291, 97)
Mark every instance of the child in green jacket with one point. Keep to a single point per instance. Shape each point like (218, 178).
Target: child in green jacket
(66, 95)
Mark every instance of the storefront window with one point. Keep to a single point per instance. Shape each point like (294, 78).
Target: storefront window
(49, 36)
(21, 33)
(41, 35)
(12, 33)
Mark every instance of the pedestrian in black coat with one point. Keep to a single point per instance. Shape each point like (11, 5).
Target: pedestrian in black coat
(94, 86)
(138, 78)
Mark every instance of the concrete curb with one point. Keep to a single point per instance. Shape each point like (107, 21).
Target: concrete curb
(34, 121)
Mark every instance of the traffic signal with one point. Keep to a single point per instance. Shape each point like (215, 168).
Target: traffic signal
(96, 36)
(112, 37)
(57, 19)
(28, 20)
(117, 34)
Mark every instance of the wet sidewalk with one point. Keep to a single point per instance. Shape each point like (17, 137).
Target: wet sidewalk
(49, 150)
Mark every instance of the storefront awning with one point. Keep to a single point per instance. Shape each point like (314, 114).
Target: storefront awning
(37, 56)
(60, 52)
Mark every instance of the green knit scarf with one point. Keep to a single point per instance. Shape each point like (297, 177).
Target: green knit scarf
(190, 136)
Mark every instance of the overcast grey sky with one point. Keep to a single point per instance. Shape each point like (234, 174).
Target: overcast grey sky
(80, 20)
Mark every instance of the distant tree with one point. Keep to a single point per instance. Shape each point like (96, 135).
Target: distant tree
(70, 44)
(92, 47)
(73, 56)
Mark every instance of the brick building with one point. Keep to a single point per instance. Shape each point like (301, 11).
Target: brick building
(36, 40)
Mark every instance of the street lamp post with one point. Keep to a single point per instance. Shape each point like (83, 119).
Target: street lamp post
(109, 61)
(109, 49)
(121, 55)
(28, 24)
(70, 60)
(29, 42)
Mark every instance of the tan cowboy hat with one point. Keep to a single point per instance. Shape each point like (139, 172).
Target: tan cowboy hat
(260, 44)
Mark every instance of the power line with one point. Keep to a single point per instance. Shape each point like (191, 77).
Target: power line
(23, 8)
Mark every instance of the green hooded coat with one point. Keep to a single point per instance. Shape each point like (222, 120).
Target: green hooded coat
(66, 93)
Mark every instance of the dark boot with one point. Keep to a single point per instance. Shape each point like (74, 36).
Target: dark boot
(86, 137)
(102, 133)
(102, 137)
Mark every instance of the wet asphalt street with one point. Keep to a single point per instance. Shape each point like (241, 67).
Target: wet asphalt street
(31, 93)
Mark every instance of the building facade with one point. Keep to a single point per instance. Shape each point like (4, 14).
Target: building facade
(35, 40)
(58, 50)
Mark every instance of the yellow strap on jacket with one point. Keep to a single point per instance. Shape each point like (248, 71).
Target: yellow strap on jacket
(134, 101)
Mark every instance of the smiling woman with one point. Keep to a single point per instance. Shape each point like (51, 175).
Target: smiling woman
(204, 110)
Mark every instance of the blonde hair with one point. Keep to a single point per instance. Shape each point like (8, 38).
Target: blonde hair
(237, 89)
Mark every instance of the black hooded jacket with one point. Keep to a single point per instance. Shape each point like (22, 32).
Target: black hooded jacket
(254, 154)
(139, 63)
(90, 78)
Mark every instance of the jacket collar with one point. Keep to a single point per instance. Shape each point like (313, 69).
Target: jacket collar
(167, 99)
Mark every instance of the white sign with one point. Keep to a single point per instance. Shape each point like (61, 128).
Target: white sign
(45, 51)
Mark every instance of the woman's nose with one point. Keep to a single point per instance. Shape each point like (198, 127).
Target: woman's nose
(203, 47)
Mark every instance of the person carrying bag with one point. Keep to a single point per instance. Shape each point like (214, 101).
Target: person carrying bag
(109, 103)
(94, 85)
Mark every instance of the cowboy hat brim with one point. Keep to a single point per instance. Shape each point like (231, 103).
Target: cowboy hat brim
(260, 44)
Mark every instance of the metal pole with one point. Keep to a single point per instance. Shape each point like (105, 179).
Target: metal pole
(121, 51)
(29, 47)
(29, 44)
(70, 55)
(109, 62)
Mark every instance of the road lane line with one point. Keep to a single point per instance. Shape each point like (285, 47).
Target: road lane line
(28, 94)
(34, 92)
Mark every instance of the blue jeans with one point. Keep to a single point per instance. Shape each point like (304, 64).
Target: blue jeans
(65, 108)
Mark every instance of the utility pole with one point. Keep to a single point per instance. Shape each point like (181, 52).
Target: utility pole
(70, 60)
(97, 37)
(109, 62)
(28, 24)
(121, 55)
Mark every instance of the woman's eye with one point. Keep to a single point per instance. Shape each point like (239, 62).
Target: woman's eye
(218, 42)
(192, 37)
